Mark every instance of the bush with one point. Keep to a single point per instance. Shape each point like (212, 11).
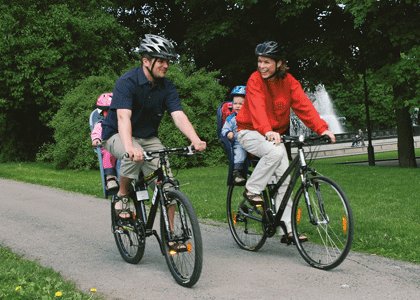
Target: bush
(72, 148)
(199, 91)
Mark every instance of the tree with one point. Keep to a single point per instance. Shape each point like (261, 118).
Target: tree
(322, 40)
(46, 47)
(394, 26)
(348, 98)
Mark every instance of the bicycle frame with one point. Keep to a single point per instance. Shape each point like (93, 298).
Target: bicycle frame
(160, 177)
(299, 168)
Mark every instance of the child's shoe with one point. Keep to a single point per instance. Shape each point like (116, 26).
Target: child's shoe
(111, 184)
(237, 177)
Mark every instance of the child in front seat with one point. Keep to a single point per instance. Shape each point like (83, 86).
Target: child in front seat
(230, 131)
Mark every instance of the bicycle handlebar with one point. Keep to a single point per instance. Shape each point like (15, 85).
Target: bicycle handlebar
(149, 155)
(305, 140)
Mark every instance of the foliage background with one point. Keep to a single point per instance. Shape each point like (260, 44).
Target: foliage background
(199, 90)
(46, 48)
(50, 47)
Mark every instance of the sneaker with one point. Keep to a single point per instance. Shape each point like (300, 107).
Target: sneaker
(254, 199)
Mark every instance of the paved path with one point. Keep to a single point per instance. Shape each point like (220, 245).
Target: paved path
(71, 233)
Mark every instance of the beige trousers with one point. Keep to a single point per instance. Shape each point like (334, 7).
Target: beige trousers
(273, 162)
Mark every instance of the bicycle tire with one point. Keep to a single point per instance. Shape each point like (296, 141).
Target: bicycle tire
(185, 266)
(330, 239)
(129, 234)
(245, 220)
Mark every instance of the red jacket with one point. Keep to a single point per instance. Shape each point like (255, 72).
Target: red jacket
(267, 105)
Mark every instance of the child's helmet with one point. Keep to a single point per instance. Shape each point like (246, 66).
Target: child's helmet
(238, 90)
(104, 101)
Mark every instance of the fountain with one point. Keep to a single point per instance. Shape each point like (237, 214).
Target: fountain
(324, 106)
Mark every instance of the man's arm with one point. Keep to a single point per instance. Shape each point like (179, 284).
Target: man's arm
(125, 132)
(184, 125)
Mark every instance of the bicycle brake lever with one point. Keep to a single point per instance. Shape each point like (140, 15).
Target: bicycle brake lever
(191, 150)
(147, 157)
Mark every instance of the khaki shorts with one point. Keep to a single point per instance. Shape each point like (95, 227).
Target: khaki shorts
(129, 168)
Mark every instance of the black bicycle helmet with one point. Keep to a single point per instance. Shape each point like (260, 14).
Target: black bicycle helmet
(268, 49)
(157, 46)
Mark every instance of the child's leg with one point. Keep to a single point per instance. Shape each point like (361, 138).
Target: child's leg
(108, 162)
(239, 156)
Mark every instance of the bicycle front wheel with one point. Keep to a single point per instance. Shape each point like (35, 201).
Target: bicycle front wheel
(182, 245)
(245, 220)
(129, 232)
(327, 222)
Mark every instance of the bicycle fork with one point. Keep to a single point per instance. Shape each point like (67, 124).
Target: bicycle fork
(306, 183)
(315, 217)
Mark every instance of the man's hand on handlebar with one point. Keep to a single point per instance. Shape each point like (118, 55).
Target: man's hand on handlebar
(135, 154)
(199, 145)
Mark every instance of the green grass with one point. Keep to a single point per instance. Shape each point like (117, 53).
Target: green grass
(385, 203)
(23, 279)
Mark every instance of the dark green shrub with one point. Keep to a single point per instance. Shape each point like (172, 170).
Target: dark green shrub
(72, 148)
(199, 91)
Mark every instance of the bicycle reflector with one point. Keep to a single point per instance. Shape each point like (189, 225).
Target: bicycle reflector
(298, 215)
(344, 224)
(189, 247)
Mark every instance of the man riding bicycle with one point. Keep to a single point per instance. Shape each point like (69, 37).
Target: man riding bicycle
(140, 98)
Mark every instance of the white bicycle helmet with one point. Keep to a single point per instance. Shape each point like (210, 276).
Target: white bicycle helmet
(157, 46)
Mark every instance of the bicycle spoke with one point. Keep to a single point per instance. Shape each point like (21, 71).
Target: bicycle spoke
(245, 221)
(183, 246)
(328, 226)
(128, 233)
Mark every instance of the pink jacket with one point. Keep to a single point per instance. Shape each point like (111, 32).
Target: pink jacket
(96, 132)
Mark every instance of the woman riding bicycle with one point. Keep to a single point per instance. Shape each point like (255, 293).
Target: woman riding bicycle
(265, 115)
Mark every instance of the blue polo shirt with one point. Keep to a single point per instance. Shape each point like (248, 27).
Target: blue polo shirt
(146, 101)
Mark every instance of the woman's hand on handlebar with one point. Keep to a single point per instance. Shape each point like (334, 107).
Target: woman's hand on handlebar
(330, 134)
(273, 136)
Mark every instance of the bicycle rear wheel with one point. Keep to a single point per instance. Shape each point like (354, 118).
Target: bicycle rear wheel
(330, 230)
(129, 233)
(245, 220)
(183, 247)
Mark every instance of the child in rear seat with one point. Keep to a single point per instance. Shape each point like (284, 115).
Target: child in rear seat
(108, 160)
(230, 131)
